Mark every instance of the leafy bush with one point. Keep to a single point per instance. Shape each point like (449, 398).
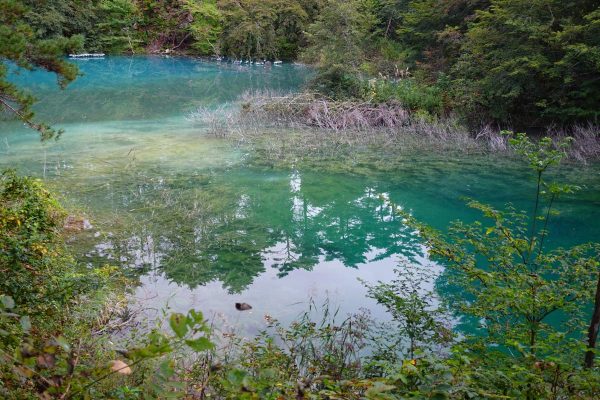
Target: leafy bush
(33, 261)
(418, 320)
(47, 349)
(409, 93)
(315, 352)
(60, 368)
(509, 279)
(337, 83)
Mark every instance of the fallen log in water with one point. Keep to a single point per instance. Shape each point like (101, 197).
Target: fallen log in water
(87, 55)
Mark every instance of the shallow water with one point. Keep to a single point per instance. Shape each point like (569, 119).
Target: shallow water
(203, 230)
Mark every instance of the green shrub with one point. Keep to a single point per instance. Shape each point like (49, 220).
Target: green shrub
(410, 93)
(337, 83)
(34, 264)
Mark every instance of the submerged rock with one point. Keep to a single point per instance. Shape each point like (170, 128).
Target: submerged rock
(243, 306)
(76, 224)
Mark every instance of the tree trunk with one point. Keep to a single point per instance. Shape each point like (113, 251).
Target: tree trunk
(593, 330)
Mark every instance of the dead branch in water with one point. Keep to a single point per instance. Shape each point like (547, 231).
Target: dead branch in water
(315, 111)
(341, 123)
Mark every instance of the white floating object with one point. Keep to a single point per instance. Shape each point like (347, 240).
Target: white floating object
(277, 62)
(87, 55)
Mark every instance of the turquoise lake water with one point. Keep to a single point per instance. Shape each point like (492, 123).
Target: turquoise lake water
(202, 229)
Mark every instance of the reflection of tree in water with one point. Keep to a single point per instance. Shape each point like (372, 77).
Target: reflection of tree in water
(224, 227)
(339, 219)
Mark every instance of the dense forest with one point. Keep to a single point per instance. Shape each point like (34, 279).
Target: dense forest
(516, 63)
(515, 311)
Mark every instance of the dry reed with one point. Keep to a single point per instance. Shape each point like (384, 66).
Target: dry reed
(324, 122)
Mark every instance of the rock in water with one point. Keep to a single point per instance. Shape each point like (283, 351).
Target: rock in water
(76, 224)
(242, 306)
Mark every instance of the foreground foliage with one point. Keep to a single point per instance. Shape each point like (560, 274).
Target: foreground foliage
(531, 301)
(53, 312)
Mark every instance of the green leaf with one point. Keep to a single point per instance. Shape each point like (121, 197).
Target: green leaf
(402, 378)
(200, 344)
(166, 369)
(179, 325)
(196, 317)
(236, 377)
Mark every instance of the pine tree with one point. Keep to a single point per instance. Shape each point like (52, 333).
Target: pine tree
(22, 47)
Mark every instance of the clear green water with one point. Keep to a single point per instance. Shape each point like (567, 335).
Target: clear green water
(202, 229)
